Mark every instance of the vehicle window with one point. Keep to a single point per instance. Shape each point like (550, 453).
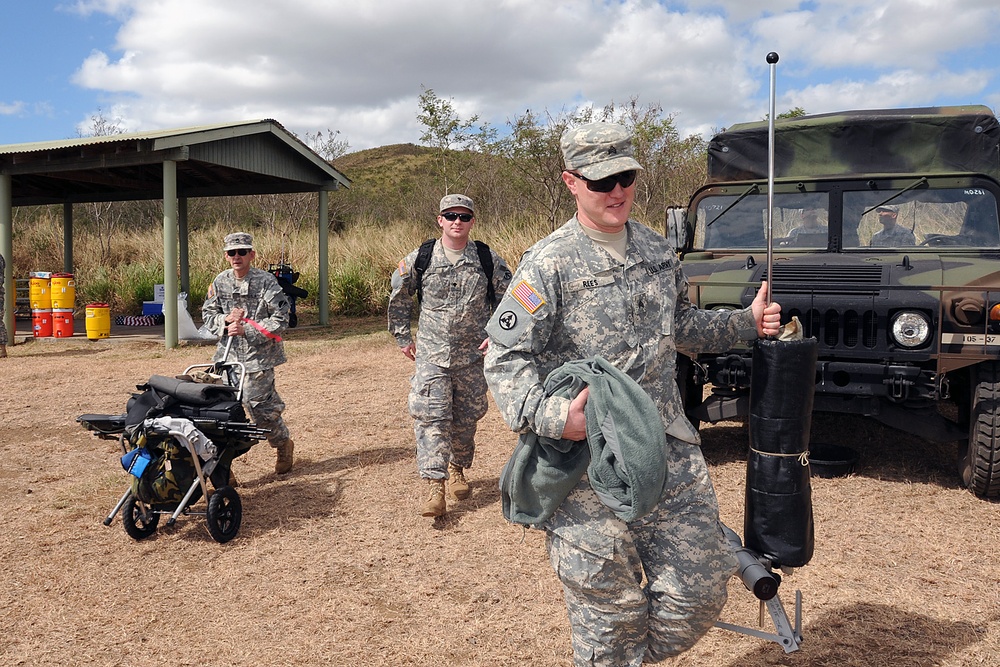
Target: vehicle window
(799, 220)
(962, 217)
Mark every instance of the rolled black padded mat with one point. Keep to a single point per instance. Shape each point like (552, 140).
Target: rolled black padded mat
(778, 517)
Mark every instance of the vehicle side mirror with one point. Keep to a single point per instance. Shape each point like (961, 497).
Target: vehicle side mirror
(676, 227)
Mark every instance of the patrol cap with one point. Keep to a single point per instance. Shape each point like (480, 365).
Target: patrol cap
(238, 240)
(892, 208)
(451, 201)
(598, 150)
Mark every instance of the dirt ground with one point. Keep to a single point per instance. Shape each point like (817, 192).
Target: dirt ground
(333, 565)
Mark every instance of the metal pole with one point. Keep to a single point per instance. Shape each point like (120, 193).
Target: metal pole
(772, 60)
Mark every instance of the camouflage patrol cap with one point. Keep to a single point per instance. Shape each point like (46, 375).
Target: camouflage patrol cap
(451, 201)
(598, 150)
(238, 240)
(892, 208)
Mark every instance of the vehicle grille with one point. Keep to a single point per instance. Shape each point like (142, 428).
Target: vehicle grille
(850, 329)
(826, 279)
(853, 328)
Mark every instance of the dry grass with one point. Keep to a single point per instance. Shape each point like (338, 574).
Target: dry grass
(332, 565)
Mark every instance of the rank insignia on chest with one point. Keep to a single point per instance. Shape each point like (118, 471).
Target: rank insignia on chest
(526, 295)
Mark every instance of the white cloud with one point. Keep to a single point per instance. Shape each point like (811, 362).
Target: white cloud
(358, 67)
(896, 89)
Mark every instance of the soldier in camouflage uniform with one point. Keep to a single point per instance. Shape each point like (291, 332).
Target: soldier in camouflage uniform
(892, 235)
(248, 304)
(3, 327)
(447, 390)
(604, 285)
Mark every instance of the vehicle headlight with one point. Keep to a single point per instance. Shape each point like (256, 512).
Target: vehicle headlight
(910, 329)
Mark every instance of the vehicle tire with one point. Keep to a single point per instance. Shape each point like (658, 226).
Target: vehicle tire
(137, 526)
(225, 512)
(979, 456)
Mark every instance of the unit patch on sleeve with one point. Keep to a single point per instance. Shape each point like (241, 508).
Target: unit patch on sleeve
(526, 295)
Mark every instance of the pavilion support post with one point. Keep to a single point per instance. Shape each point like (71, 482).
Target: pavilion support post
(7, 250)
(170, 253)
(182, 233)
(68, 237)
(324, 257)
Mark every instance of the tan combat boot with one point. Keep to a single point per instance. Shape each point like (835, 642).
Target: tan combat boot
(457, 484)
(284, 462)
(434, 505)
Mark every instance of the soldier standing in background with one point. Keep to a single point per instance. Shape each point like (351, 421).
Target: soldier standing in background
(447, 390)
(606, 286)
(3, 327)
(249, 305)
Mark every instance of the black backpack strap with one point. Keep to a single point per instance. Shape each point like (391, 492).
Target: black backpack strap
(423, 261)
(486, 260)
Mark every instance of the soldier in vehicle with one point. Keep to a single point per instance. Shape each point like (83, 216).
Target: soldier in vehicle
(892, 234)
(810, 224)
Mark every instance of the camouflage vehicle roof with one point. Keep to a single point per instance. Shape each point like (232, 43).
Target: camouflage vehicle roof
(927, 140)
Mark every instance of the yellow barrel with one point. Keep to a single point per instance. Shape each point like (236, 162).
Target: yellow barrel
(98, 321)
(63, 289)
(38, 290)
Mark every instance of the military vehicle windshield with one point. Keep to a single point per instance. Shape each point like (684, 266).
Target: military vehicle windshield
(922, 218)
(963, 217)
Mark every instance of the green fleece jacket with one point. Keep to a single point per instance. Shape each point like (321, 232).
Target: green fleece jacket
(624, 455)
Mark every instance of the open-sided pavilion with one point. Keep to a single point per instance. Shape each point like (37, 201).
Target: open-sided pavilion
(243, 158)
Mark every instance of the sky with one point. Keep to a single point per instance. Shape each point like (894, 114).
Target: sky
(358, 67)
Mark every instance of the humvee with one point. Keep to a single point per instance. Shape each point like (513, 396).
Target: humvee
(885, 243)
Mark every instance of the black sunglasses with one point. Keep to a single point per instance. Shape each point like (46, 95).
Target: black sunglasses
(624, 179)
(242, 252)
(451, 216)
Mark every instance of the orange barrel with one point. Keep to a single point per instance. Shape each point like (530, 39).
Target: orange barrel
(63, 289)
(98, 321)
(62, 322)
(41, 322)
(38, 290)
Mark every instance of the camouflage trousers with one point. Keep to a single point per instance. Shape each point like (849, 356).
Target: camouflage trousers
(649, 589)
(446, 404)
(266, 405)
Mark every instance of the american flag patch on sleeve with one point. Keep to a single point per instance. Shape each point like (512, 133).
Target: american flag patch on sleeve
(526, 295)
(402, 267)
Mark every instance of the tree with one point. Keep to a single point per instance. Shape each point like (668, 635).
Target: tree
(533, 152)
(444, 130)
(108, 218)
(328, 147)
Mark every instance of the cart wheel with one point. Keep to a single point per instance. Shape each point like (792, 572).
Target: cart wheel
(225, 512)
(138, 525)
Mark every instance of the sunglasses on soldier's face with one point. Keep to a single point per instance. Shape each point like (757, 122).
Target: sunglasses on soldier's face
(242, 252)
(624, 179)
(451, 216)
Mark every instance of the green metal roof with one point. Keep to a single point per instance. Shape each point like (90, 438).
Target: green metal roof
(243, 158)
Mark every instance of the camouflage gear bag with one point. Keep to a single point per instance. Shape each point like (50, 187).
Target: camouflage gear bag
(167, 476)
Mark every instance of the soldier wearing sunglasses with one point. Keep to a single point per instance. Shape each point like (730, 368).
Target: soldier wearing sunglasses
(447, 391)
(604, 285)
(248, 304)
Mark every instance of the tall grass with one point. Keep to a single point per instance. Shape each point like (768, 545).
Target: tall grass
(123, 270)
